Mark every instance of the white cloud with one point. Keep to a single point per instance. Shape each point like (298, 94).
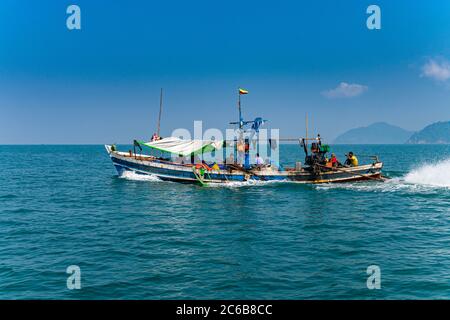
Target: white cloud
(437, 70)
(345, 90)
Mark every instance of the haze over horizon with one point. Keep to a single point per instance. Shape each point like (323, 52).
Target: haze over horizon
(101, 84)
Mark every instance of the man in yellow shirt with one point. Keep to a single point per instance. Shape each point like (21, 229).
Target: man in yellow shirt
(352, 160)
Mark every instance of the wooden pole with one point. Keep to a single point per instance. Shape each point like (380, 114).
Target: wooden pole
(306, 125)
(160, 111)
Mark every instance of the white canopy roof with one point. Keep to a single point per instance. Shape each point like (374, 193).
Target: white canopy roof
(183, 147)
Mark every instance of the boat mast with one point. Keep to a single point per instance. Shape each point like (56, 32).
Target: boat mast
(160, 111)
(241, 127)
(241, 121)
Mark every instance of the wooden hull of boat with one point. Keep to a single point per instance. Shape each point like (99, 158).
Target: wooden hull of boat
(170, 171)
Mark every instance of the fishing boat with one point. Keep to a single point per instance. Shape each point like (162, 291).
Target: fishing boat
(166, 169)
(179, 160)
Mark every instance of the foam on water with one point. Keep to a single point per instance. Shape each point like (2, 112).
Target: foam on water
(437, 175)
(132, 175)
(248, 183)
(391, 185)
(427, 178)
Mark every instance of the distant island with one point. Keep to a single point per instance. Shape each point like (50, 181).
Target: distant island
(377, 133)
(384, 133)
(436, 133)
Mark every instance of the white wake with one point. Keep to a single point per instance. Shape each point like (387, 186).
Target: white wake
(437, 174)
(429, 178)
(131, 175)
(248, 183)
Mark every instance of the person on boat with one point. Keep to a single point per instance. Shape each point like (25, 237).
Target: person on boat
(247, 154)
(155, 137)
(334, 161)
(215, 167)
(317, 155)
(352, 160)
(179, 159)
(258, 160)
(230, 159)
(314, 148)
(206, 166)
(327, 162)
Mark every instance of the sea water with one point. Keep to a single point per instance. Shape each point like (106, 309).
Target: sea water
(136, 237)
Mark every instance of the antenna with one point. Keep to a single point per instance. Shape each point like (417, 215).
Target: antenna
(160, 110)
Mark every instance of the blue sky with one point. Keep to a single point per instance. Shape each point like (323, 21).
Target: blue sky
(101, 84)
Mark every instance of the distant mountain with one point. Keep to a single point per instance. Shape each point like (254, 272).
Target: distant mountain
(436, 133)
(377, 133)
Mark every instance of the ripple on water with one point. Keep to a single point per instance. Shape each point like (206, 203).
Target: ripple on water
(138, 237)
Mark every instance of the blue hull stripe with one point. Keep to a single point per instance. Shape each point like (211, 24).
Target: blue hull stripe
(188, 176)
